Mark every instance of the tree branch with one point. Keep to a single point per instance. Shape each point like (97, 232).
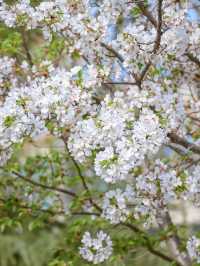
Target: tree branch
(184, 142)
(121, 59)
(78, 169)
(26, 48)
(115, 53)
(173, 242)
(149, 246)
(64, 191)
(120, 83)
(193, 59)
(147, 13)
(179, 150)
(50, 211)
(143, 73)
(84, 184)
(159, 27)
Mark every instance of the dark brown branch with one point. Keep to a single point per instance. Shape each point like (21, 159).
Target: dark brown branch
(159, 27)
(163, 256)
(174, 242)
(111, 50)
(184, 142)
(193, 162)
(22, 206)
(193, 59)
(179, 150)
(64, 191)
(149, 246)
(4, 201)
(147, 13)
(143, 73)
(133, 228)
(86, 213)
(121, 59)
(120, 83)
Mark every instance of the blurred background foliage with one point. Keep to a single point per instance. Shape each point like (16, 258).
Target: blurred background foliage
(35, 228)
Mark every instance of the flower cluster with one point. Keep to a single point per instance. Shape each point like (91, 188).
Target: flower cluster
(43, 104)
(123, 131)
(155, 189)
(161, 183)
(148, 196)
(115, 205)
(193, 247)
(7, 75)
(193, 185)
(47, 14)
(97, 249)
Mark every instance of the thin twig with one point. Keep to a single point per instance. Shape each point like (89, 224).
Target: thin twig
(174, 242)
(115, 53)
(150, 248)
(26, 48)
(84, 183)
(121, 59)
(78, 169)
(147, 13)
(64, 191)
(120, 83)
(50, 211)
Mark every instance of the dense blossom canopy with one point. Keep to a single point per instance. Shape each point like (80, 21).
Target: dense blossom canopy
(122, 95)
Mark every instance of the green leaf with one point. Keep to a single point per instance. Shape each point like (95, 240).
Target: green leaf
(135, 12)
(8, 121)
(11, 44)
